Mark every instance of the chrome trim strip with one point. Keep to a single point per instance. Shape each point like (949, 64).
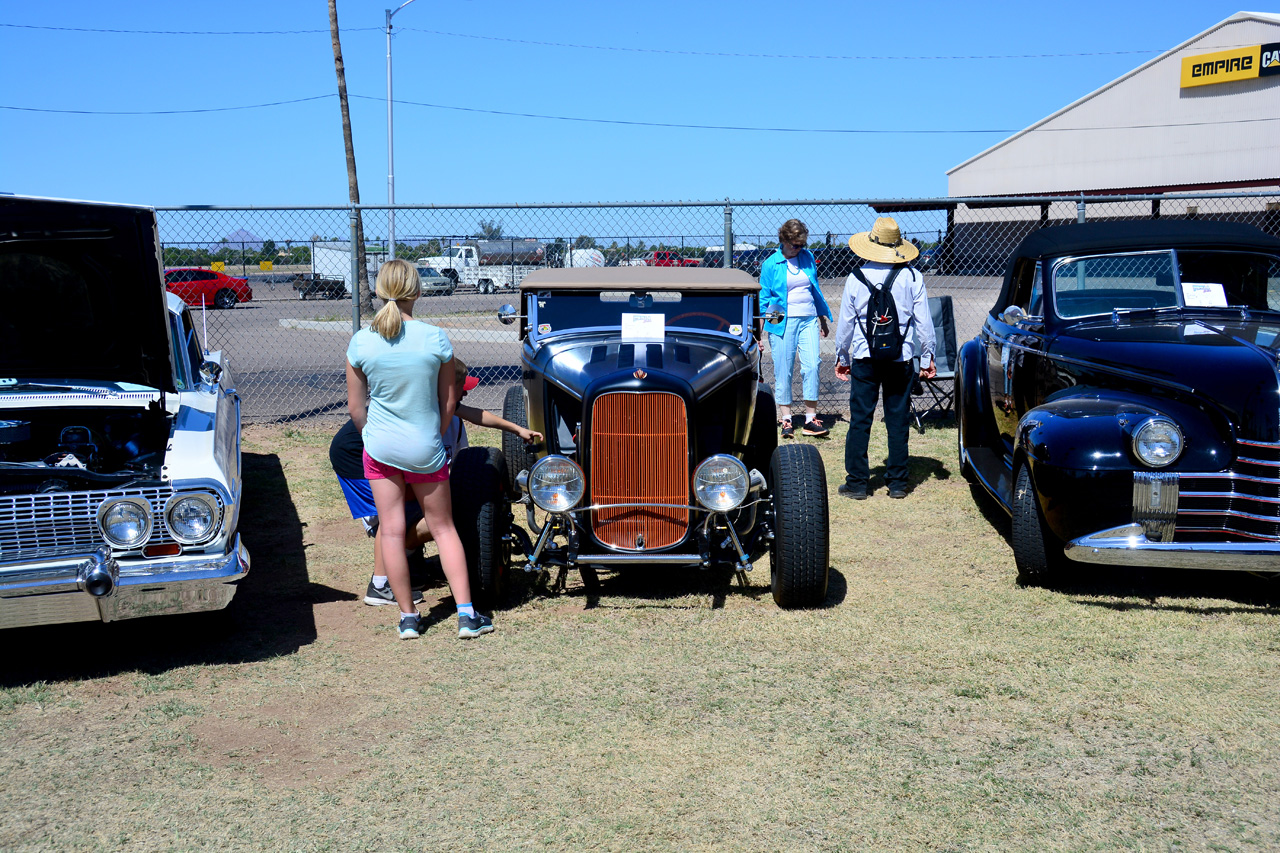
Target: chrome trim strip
(1266, 463)
(638, 558)
(1231, 475)
(1202, 531)
(1127, 546)
(1232, 496)
(1231, 512)
(1274, 445)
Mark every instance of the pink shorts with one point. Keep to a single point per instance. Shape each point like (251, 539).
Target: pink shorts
(375, 470)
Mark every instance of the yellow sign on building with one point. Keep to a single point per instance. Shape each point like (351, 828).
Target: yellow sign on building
(217, 266)
(1225, 66)
(265, 266)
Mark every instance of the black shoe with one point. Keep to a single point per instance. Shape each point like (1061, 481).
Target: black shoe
(377, 596)
(473, 626)
(857, 494)
(897, 492)
(788, 431)
(814, 428)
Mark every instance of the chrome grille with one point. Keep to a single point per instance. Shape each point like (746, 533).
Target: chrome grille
(1242, 502)
(39, 524)
(640, 455)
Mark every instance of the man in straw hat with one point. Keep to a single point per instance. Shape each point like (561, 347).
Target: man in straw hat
(874, 352)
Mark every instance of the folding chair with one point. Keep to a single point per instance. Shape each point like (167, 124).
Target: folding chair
(930, 397)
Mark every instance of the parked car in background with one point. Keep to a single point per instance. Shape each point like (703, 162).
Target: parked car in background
(661, 442)
(666, 258)
(120, 481)
(435, 283)
(928, 259)
(1121, 399)
(835, 262)
(196, 286)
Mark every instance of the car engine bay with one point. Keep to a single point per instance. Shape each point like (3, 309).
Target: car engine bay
(58, 449)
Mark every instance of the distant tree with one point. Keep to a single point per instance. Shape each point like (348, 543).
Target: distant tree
(268, 249)
(584, 242)
(490, 229)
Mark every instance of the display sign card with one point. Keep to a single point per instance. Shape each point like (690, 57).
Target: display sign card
(1208, 294)
(644, 327)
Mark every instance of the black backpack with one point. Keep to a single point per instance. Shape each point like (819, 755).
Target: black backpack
(883, 332)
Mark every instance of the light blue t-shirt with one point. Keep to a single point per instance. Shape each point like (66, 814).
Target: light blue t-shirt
(403, 428)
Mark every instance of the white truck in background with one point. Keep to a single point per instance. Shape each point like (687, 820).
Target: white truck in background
(489, 265)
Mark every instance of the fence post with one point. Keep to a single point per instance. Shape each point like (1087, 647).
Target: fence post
(1080, 210)
(355, 276)
(727, 261)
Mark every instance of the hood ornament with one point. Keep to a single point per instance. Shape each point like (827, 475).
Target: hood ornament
(639, 374)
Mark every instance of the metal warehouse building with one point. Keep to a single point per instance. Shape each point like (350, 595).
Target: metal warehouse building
(1198, 118)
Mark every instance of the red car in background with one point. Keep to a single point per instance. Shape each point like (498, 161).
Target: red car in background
(196, 286)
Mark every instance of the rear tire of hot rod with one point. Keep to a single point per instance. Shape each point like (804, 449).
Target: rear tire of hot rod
(518, 456)
(798, 558)
(1036, 551)
(482, 517)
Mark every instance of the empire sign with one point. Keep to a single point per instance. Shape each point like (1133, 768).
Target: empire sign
(1225, 66)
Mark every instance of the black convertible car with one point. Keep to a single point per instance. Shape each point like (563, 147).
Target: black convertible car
(1122, 401)
(661, 443)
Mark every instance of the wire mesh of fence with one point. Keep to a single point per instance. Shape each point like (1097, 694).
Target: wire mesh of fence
(287, 342)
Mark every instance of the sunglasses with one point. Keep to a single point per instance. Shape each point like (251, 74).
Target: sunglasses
(798, 245)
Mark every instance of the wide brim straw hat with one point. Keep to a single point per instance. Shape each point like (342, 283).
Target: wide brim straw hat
(883, 243)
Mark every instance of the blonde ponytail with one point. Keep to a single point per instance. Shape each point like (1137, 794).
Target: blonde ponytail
(397, 280)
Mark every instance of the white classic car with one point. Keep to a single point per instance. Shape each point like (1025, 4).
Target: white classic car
(120, 479)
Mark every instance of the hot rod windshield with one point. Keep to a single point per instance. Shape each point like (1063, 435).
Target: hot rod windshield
(556, 311)
(1088, 286)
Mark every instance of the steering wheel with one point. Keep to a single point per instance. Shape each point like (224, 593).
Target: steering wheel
(723, 323)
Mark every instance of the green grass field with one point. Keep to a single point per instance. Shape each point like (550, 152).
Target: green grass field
(932, 705)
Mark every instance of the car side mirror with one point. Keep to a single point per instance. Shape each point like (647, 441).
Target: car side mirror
(1013, 315)
(507, 315)
(210, 375)
(772, 316)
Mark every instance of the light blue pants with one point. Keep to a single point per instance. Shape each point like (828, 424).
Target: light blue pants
(800, 337)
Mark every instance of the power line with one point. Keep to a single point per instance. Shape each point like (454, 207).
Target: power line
(774, 55)
(165, 112)
(186, 32)
(632, 123)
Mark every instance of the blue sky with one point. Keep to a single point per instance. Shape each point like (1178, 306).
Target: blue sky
(659, 62)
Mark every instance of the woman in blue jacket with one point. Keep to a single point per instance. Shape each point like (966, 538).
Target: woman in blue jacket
(789, 284)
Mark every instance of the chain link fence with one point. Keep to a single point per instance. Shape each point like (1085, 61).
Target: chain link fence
(287, 343)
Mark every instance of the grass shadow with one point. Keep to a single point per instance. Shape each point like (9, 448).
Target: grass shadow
(271, 615)
(1144, 589)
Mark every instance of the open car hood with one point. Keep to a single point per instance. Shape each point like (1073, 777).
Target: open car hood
(82, 293)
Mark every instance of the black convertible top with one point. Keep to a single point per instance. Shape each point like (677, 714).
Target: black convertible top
(1136, 235)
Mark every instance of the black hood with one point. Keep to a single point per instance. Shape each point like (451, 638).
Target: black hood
(703, 362)
(82, 293)
(1218, 361)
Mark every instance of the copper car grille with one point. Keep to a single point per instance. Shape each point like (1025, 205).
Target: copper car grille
(1242, 502)
(35, 525)
(639, 454)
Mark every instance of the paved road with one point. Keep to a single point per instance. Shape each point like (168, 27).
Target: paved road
(288, 354)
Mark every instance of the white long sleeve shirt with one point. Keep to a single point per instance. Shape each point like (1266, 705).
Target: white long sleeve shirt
(913, 314)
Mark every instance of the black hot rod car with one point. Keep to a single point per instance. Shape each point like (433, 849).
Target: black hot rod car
(1123, 398)
(660, 441)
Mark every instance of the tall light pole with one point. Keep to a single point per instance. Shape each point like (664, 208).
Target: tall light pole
(391, 156)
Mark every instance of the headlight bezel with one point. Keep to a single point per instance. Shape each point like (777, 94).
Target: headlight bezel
(742, 481)
(539, 469)
(215, 517)
(145, 510)
(1156, 422)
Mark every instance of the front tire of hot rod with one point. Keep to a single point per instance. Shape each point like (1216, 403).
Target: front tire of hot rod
(798, 558)
(481, 516)
(519, 457)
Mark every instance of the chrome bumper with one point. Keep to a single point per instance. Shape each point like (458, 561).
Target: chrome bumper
(1128, 546)
(62, 589)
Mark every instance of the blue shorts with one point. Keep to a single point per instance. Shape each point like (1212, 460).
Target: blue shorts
(359, 497)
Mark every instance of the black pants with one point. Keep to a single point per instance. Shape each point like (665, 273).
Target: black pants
(866, 379)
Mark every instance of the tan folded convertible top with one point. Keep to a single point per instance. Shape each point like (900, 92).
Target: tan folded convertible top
(641, 278)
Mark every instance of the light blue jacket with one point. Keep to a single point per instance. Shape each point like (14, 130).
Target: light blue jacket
(773, 287)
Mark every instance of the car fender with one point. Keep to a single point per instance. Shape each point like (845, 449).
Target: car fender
(1093, 431)
(972, 376)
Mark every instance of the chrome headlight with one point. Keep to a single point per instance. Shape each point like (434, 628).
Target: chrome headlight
(1157, 442)
(721, 483)
(125, 522)
(556, 484)
(192, 518)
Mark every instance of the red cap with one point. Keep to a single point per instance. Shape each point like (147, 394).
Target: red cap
(470, 382)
